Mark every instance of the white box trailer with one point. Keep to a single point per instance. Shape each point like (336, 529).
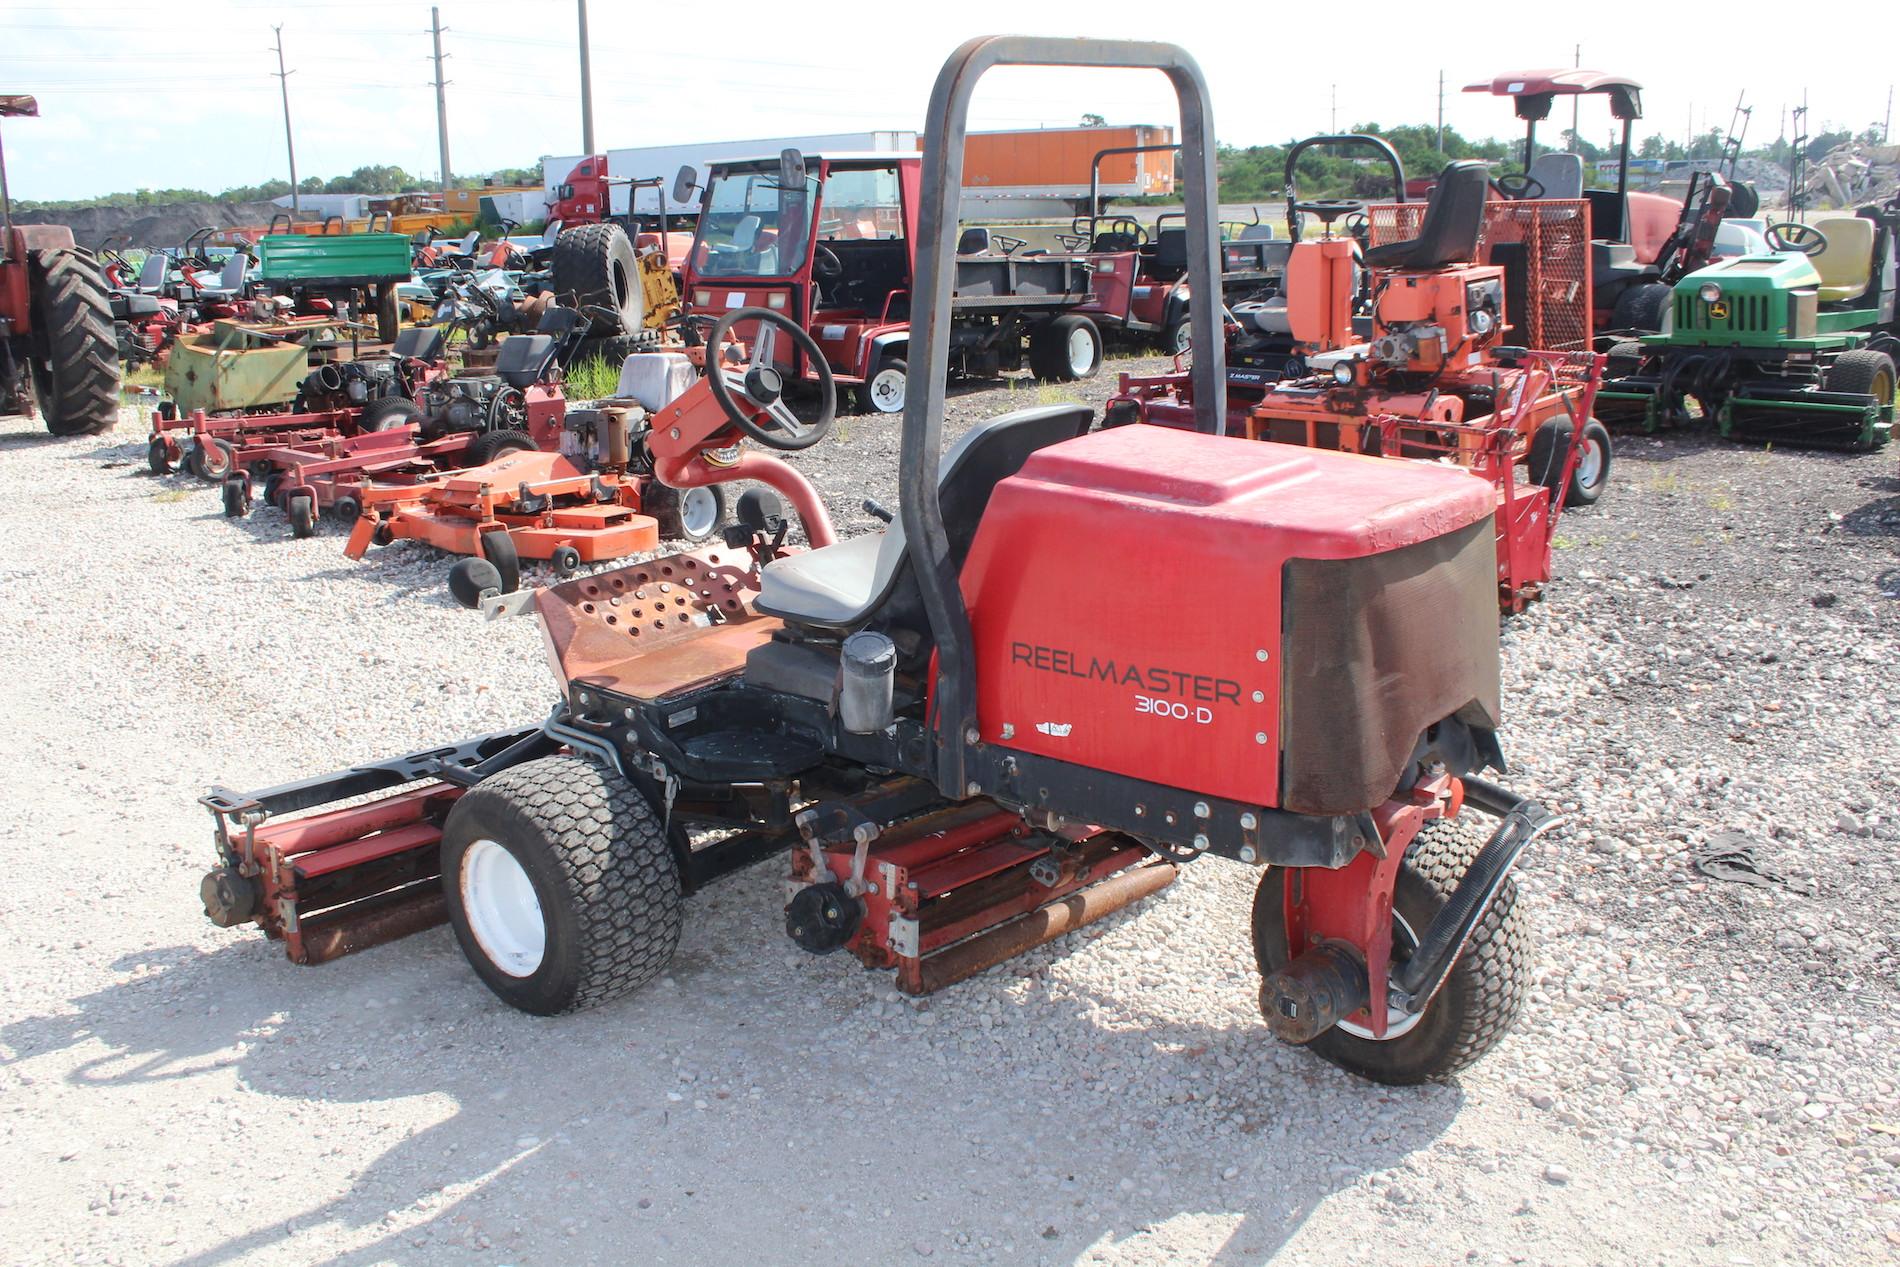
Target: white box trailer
(664, 161)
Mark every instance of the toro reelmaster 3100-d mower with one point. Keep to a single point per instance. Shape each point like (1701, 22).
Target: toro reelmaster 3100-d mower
(1435, 380)
(993, 722)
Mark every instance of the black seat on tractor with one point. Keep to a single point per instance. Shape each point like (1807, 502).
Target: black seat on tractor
(524, 359)
(1114, 240)
(418, 343)
(1453, 220)
(842, 586)
(973, 242)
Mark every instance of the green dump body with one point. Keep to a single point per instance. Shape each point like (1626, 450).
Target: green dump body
(232, 366)
(334, 260)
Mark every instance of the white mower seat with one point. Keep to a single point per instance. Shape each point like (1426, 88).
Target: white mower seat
(237, 267)
(1561, 175)
(1847, 266)
(841, 586)
(154, 272)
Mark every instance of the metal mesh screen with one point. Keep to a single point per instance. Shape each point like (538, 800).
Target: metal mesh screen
(1544, 246)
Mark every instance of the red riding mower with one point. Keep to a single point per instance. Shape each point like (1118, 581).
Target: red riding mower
(989, 724)
(593, 500)
(1435, 380)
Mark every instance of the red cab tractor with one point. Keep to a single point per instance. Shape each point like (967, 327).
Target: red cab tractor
(830, 240)
(59, 356)
(979, 729)
(1432, 379)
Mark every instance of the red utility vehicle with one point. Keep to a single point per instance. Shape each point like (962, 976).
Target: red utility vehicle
(1001, 718)
(830, 240)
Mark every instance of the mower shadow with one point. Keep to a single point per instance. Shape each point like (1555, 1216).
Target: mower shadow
(554, 1140)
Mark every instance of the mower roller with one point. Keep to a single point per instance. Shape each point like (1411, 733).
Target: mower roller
(994, 721)
(1434, 381)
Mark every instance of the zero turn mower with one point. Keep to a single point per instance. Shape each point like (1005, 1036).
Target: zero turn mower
(993, 722)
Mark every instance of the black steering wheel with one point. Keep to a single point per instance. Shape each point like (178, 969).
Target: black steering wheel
(825, 264)
(1330, 209)
(1359, 224)
(761, 386)
(1802, 239)
(1518, 186)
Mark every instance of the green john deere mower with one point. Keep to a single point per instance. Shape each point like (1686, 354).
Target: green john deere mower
(1795, 347)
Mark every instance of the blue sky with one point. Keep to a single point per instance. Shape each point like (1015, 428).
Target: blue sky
(167, 93)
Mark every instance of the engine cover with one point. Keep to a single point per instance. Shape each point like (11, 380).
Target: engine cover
(1268, 624)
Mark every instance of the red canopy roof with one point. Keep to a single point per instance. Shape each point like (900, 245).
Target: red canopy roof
(1563, 82)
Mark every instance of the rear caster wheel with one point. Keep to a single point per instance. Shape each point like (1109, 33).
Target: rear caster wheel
(561, 886)
(302, 509)
(158, 457)
(346, 509)
(1478, 1001)
(566, 561)
(237, 497)
(212, 459)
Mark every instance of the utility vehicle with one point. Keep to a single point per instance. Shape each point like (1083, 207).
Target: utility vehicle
(1004, 716)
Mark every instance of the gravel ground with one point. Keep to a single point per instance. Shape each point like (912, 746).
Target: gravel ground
(1706, 1072)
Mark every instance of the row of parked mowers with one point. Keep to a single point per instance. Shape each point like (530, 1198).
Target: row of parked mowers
(490, 462)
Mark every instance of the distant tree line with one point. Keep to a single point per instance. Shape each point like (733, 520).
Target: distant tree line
(378, 179)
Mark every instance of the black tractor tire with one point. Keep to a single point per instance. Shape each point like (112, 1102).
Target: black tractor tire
(158, 457)
(469, 579)
(499, 549)
(388, 313)
(488, 446)
(1862, 372)
(1050, 358)
(1641, 307)
(388, 414)
(237, 497)
(594, 266)
(603, 876)
(301, 509)
(1480, 998)
(77, 384)
(1625, 359)
(670, 506)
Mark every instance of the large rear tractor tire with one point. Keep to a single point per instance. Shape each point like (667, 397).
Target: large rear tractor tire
(561, 887)
(1478, 1001)
(78, 381)
(594, 265)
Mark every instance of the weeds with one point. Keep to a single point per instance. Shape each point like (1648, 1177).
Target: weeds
(592, 379)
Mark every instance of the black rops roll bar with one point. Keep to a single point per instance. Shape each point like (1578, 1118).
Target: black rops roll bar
(945, 127)
(1341, 139)
(1095, 176)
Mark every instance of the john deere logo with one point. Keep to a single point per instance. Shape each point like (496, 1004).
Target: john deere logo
(1719, 310)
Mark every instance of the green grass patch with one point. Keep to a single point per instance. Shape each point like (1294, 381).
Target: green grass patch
(172, 495)
(592, 379)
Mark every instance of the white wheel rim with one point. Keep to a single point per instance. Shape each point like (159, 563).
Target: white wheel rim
(887, 390)
(699, 511)
(503, 912)
(1397, 1023)
(1081, 350)
(1183, 336)
(1589, 464)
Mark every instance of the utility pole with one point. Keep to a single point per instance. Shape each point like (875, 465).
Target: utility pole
(1575, 101)
(441, 99)
(1441, 112)
(1886, 126)
(1334, 129)
(290, 146)
(587, 89)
